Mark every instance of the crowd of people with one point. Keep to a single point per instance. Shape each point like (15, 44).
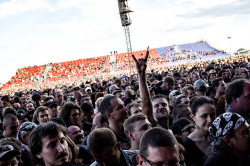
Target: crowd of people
(191, 114)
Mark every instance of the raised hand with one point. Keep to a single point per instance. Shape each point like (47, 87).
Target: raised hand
(141, 64)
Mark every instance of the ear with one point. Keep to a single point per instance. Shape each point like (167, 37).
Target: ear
(130, 135)
(118, 145)
(4, 127)
(139, 160)
(228, 141)
(108, 115)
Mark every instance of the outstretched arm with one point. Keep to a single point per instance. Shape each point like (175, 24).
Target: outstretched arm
(141, 66)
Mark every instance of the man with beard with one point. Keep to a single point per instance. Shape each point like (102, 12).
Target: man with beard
(48, 145)
(30, 110)
(75, 134)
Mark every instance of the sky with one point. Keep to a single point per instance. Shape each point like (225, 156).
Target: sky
(36, 32)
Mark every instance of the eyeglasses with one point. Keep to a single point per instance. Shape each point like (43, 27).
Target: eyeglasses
(171, 163)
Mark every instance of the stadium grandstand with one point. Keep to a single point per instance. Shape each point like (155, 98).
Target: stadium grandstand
(52, 74)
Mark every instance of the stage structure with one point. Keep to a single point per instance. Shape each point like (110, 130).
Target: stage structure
(126, 22)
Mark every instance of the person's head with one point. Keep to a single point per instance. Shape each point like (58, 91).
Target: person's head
(113, 109)
(103, 146)
(135, 127)
(182, 111)
(168, 83)
(24, 132)
(237, 96)
(158, 146)
(195, 76)
(75, 134)
(8, 155)
(23, 102)
(41, 115)
(10, 125)
(200, 87)
(53, 109)
(190, 90)
(182, 99)
(30, 108)
(173, 96)
(88, 90)
(182, 127)
(99, 121)
(133, 108)
(219, 85)
(160, 108)
(48, 145)
(118, 93)
(86, 99)
(182, 82)
(230, 132)
(71, 114)
(78, 96)
(203, 109)
(212, 75)
(87, 112)
(58, 97)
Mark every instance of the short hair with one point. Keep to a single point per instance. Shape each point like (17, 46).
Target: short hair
(98, 103)
(35, 115)
(216, 82)
(235, 89)
(10, 110)
(129, 123)
(105, 105)
(159, 96)
(200, 101)
(179, 97)
(156, 137)
(8, 118)
(50, 130)
(101, 138)
(168, 79)
(129, 106)
(178, 110)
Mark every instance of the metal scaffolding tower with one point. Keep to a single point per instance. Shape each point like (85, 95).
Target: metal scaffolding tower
(126, 22)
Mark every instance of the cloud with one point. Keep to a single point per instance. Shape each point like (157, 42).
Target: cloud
(232, 9)
(15, 7)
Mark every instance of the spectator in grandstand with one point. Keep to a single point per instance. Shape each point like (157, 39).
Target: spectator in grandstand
(157, 147)
(41, 115)
(40, 143)
(197, 143)
(219, 86)
(200, 88)
(230, 141)
(182, 111)
(106, 149)
(59, 97)
(135, 127)
(99, 121)
(71, 114)
(10, 126)
(113, 109)
(133, 108)
(237, 93)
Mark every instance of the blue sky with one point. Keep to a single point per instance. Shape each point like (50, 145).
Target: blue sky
(35, 32)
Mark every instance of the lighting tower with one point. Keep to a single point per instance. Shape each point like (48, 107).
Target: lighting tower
(126, 22)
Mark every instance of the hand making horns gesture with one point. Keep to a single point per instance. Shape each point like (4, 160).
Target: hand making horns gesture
(141, 64)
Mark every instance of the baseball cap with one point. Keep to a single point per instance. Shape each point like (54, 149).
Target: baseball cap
(88, 88)
(7, 151)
